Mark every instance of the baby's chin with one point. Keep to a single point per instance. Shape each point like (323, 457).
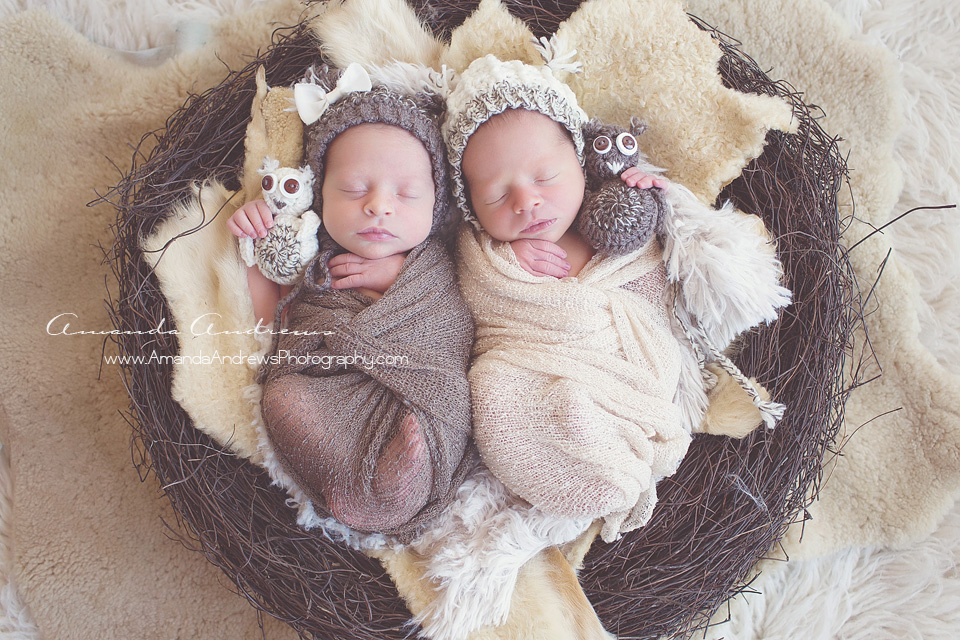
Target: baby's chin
(378, 251)
(550, 234)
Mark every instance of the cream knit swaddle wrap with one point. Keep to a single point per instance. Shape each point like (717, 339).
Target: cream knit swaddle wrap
(573, 381)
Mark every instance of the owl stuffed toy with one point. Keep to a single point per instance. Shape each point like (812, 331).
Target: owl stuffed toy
(615, 217)
(292, 240)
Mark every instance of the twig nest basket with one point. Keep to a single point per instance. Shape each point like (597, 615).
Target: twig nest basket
(724, 510)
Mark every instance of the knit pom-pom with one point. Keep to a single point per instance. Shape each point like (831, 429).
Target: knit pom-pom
(556, 55)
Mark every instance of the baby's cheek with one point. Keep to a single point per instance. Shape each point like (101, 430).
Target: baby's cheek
(499, 225)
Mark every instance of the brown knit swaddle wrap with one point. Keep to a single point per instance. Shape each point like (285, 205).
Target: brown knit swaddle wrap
(573, 381)
(330, 423)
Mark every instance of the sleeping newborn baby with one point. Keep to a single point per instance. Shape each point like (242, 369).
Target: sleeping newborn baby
(366, 401)
(577, 381)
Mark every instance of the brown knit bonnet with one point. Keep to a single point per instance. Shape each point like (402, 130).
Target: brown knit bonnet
(418, 114)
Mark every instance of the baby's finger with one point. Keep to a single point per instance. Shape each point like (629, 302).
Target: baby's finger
(236, 230)
(344, 258)
(266, 216)
(344, 269)
(241, 227)
(645, 183)
(635, 177)
(552, 260)
(544, 268)
(257, 230)
(547, 247)
(257, 220)
(639, 181)
(349, 282)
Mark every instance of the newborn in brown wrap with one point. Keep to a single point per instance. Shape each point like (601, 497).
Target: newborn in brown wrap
(366, 400)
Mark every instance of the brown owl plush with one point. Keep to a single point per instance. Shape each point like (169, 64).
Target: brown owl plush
(614, 217)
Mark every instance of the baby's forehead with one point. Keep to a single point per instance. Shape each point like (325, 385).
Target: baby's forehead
(522, 117)
(371, 140)
(519, 138)
(516, 142)
(381, 132)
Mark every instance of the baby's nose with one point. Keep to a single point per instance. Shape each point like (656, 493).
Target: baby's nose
(379, 203)
(525, 200)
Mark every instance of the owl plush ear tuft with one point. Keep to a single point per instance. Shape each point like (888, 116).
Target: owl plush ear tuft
(269, 164)
(591, 128)
(637, 126)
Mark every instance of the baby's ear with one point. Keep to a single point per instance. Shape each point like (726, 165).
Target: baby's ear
(637, 126)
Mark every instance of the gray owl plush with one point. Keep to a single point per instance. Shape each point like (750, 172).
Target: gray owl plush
(614, 217)
(292, 240)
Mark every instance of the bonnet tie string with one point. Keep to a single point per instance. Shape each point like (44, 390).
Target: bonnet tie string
(770, 411)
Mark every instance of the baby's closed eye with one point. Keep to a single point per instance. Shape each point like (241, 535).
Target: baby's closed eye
(547, 179)
(353, 189)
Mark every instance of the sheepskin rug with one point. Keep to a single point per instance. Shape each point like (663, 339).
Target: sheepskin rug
(877, 586)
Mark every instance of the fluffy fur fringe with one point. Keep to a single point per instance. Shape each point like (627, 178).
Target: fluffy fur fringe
(727, 269)
(476, 550)
(854, 594)
(16, 622)
(691, 396)
(376, 32)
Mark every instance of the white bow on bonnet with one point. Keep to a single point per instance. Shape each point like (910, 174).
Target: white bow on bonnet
(312, 100)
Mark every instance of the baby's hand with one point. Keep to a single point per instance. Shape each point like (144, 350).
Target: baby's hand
(252, 220)
(350, 271)
(541, 257)
(635, 177)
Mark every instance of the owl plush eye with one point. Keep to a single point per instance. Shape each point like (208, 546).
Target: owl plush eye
(602, 144)
(627, 144)
(291, 186)
(268, 183)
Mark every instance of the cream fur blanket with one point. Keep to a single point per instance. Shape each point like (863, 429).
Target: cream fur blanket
(573, 381)
(87, 534)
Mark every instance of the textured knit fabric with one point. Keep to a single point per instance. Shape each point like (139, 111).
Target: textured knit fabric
(619, 219)
(573, 381)
(331, 421)
(490, 86)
